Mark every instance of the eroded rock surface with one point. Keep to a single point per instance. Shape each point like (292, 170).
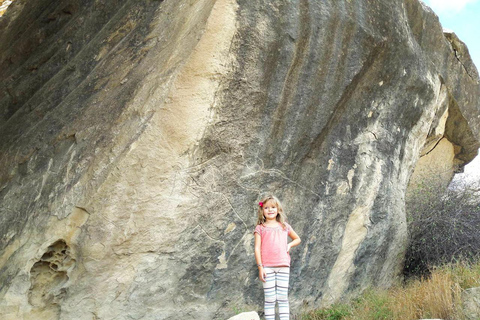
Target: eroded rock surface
(136, 136)
(471, 303)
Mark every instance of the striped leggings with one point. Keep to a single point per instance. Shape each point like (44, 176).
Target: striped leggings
(276, 290)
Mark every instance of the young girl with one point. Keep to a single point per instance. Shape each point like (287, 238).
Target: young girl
(272, 255)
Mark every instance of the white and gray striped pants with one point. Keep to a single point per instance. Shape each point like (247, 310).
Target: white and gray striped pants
(276, 290)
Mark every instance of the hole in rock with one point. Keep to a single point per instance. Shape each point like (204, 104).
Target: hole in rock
(48, 278)
(47, 255)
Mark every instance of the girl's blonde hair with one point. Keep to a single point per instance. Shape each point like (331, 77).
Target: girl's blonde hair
(281, 217)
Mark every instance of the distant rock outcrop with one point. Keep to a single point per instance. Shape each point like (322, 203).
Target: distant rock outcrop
(137, 136)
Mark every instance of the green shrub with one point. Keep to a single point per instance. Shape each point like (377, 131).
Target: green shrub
(335, 312)
(373, 305)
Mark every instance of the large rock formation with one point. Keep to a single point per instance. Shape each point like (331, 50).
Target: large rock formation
(137, 136)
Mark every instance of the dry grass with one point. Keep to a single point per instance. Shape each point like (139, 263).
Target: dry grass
(438, 296)
(435, 297)
(466, 274)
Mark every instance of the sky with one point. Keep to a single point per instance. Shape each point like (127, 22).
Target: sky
(463, 18)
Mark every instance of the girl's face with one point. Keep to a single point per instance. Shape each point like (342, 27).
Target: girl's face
(270, 210)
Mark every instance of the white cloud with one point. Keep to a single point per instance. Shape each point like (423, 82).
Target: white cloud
(452, 6)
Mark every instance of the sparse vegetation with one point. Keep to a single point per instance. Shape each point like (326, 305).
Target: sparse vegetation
(443, 227)
(335, 312)
(442, 260)
(436, 296)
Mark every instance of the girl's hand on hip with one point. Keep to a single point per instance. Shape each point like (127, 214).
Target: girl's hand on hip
(262, 275)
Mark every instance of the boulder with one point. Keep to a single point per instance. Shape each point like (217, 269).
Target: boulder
(246, 316)
(136, 138)
(471, 303)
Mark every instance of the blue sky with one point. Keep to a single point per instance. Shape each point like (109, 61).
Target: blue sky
(463, 18)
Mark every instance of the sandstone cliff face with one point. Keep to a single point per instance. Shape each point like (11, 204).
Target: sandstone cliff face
(136, 138)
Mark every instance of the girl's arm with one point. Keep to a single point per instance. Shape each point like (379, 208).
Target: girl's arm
(295, 240)
(258, 257)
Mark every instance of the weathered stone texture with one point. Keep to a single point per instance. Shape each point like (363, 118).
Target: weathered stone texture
(471, 303)
(137, 136)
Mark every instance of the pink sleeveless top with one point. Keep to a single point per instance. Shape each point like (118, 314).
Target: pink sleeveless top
(274, 245)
